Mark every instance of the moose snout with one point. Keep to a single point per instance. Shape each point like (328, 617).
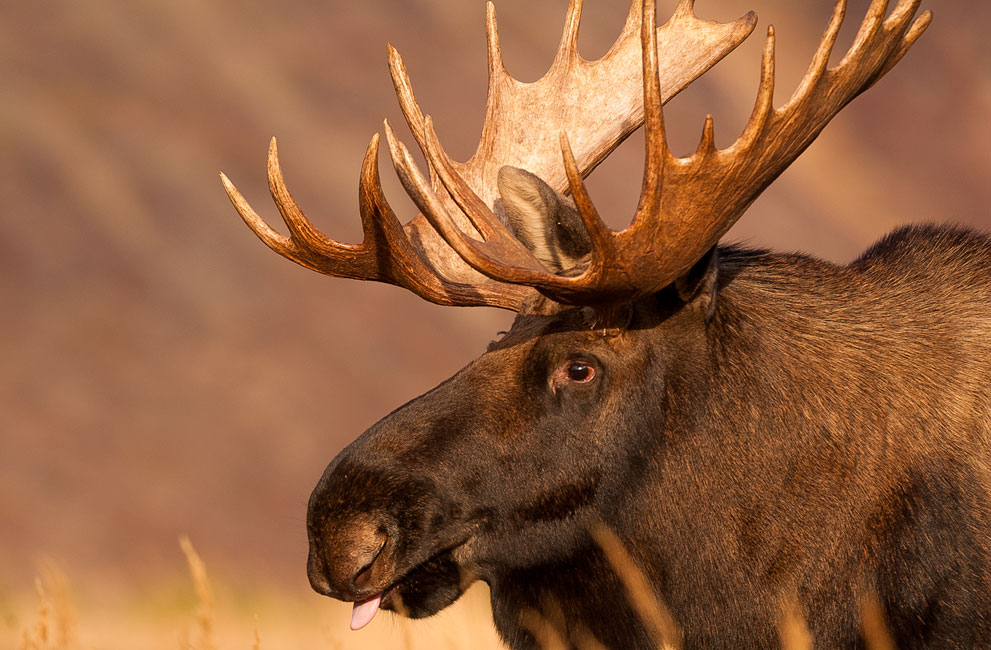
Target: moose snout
(346, 560)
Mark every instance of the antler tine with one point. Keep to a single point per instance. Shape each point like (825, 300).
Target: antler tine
(764, 105)
(872, 21)
(685, 7)
(568, 50)
(656, 155)
(903, 9)
(496, 67)
(603, 253)
(404, 91)
(302, 231)
(821, 58)
(707, 143)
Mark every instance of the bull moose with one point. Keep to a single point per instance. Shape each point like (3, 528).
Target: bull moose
(747, 424)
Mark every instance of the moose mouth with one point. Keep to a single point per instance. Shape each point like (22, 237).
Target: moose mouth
(422, 591)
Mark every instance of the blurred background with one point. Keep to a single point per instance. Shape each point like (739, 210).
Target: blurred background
(163, 373)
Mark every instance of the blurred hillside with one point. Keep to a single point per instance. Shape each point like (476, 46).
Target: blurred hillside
(162, 372)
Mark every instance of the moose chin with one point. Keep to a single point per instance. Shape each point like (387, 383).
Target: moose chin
(753, 428)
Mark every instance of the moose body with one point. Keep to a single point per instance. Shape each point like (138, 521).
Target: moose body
(818, 429)
(760, 432)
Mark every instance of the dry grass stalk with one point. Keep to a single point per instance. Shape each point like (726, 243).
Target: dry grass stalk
(55, 628)
(792, 630)
(204, 592)
(407, 634)
(585, 640)
(873, 627)
(548, 637)
(257, 644)
(659, 620)
(36, 637)
(548, 629)
(63, 610)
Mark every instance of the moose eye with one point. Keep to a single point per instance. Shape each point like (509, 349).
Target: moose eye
(581, 372)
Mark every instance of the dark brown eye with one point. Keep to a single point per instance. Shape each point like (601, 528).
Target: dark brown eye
(580, 372)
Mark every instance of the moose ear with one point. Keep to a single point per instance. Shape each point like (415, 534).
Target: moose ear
(546, 221)
(699, 282)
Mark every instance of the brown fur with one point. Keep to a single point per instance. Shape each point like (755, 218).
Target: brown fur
(775, 425)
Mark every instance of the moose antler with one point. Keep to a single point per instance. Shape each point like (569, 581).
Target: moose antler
(686, 204)
(599, 103)
(386, 253)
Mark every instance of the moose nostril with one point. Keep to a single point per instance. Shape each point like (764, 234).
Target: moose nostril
(364, 574)
(348, 557)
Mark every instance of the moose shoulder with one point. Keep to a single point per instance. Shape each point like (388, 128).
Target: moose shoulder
(755, 428)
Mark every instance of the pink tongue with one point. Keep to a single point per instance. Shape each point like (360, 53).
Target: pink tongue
(364, 612)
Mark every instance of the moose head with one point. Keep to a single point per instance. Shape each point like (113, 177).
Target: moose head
(716, 408)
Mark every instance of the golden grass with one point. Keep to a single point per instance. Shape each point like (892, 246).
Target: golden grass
(204, 593)
(661, 624)
(876, 633)
(55, 626)
(792, 630)
(212, 616)
(208, 623)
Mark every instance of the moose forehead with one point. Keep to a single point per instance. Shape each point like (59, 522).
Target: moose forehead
(552, 322)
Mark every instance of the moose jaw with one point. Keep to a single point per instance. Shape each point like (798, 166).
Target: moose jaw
(853, 399)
